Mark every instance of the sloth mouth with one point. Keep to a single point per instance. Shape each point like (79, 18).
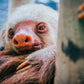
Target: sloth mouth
(29, 49)
(37, 46)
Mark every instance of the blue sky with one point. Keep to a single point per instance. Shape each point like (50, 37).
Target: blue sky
(4, 8)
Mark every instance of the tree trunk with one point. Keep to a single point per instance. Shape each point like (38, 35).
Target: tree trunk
(70, 56)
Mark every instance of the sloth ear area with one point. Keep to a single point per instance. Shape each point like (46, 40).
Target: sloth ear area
(3, 32)
(2, 35)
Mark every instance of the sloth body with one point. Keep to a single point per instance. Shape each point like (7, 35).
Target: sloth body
(31, 33)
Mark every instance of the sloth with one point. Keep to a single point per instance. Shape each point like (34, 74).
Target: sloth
(29, 38)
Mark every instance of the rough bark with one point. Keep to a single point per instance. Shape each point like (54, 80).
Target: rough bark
(69, 61)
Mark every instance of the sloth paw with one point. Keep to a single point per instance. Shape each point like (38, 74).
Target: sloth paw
(5, 52)
(28, 64)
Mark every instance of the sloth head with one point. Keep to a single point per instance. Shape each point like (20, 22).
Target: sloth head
(30, 27)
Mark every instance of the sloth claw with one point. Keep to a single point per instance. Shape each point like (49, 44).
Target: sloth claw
(22, 65)
(81, 7)
(81, 16)
(26, 68)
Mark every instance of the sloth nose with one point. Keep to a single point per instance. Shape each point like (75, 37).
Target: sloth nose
(22, 41)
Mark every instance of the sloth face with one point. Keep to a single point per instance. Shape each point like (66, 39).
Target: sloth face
(28, 36)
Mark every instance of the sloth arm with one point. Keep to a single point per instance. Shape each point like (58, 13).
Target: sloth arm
(42, 70)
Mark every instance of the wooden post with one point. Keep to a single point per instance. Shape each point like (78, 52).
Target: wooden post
(70, 56)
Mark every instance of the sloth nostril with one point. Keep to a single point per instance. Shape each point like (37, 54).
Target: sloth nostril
(26, 40)
(15, 42)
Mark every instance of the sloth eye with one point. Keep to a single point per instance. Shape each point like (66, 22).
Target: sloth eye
(10, 33)
(42, 27)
